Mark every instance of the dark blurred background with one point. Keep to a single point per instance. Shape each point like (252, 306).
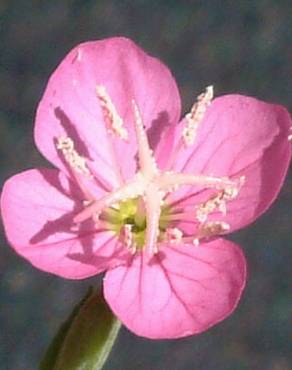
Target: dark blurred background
(239, 46)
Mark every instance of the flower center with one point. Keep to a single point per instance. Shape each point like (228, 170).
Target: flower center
(128, 220)
(138, 211)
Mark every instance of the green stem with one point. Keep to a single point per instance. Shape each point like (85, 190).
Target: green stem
(86, 339)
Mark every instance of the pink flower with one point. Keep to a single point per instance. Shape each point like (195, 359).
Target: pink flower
(141, 196)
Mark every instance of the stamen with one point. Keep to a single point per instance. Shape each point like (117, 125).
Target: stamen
(113, 121)
(196, 115)
(75, 161)
(173, 235)
(207, 231)
(153, 198)
(128, 239)
(128, 191)
(111, 213)
(196, 242)
(217, 201)
(179, 216)
(147, 162)
(212, 228)
(139, 217)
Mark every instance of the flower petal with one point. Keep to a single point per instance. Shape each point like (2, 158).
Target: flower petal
(37, 208)
(70, 105)
(240, 136)
(182, 291)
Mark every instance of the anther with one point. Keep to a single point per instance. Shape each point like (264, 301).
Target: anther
(173, 235)
(153, 212)
(196, 242)
(128, 239)
(218, 201)
(213, 228)
(196, 115)
(113, 121)
(75, 161)
(209, 230)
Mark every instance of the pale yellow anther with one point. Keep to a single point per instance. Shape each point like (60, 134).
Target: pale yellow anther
(173, 235)
(153, 211)
(218, 201)
(196, 115)
(207, 231)
(212, 228)
(196, 242)
(76, 162)
(127, 238)
(113, 121)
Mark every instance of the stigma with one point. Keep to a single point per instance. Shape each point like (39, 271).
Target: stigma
(138, 211)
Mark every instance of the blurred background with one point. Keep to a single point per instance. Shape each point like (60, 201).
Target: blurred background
(239, 46)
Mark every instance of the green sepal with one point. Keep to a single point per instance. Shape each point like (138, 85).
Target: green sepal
(85, 339)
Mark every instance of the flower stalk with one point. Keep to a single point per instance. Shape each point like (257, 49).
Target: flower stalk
(86, 339)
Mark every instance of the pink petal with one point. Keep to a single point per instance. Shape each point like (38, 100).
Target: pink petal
(37, 208)
(70, 105)
(240, 136)
(182, 291)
